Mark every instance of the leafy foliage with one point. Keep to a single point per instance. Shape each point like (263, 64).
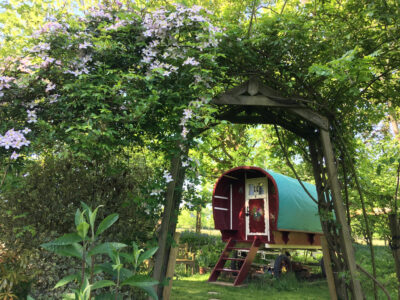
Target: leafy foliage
(84, 244)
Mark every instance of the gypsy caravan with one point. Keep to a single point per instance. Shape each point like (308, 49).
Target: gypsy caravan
(259, 209)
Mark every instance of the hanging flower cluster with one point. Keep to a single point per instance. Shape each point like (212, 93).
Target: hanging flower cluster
(175, 43)
(14, 139)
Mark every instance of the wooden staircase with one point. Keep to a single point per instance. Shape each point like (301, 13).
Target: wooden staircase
(241, 274)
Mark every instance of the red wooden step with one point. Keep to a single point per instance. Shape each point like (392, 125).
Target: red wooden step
(239, 248)
(235, 259)
(228, 270)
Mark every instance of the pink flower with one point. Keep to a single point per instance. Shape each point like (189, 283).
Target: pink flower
(85, 45)
(14, 155)
(50, 86)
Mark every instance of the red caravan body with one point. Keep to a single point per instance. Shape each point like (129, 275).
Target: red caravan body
(232, 211)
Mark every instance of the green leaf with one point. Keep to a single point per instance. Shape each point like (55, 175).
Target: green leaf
(92, 216)
(29, 298)
(106, 223)
(74, 250)
(83, 229)
(69, 296)
(102, 283)
(66, 280)
(139, 281)
(86, 208)
(106, 248)
(146, 255)
(66, 239)
(151, 291)
(142, 282)
(77, 217)
(128, 257)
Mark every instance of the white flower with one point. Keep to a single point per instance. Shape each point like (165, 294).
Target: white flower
(155, 192)
(31, 113)
(26, 130)
(167, 176)
(187, 113)
(190, 61)
(85, 45)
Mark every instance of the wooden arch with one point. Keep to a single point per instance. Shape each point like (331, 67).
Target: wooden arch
(255, 103)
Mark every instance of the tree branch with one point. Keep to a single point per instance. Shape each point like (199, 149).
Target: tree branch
(374, 280)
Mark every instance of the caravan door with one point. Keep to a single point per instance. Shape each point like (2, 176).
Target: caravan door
(256, 207)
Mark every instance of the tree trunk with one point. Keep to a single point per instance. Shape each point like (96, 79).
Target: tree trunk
(198, 220)
(393, 122)
(169, 220)
(395, 245)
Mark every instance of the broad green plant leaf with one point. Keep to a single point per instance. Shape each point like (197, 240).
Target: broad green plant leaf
(146, 255)
(66, 280)
(150, 290)
(106, 248)
(102, 283)
(69, 296)
(74, 250)
(90, 214)
(106, 223)
(139, 281)
(78, 217)
(66, 239)
(142, 282)
(128, 257)
(83, 229)
(135, 254)
(92, 217)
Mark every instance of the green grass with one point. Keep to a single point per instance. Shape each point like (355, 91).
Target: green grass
(197, 287)
(385, 270)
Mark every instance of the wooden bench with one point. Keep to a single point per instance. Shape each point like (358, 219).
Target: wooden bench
(186, 257)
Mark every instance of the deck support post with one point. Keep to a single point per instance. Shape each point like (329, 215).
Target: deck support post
(345, 238)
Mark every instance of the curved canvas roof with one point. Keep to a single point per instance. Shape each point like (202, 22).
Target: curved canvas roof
(297, 211)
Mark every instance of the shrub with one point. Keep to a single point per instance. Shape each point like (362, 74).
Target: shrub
(208, 248)
(36, 205)
(197, 240)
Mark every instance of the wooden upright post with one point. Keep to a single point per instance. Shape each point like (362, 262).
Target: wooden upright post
(169, 220)
(171, 267)
(328, 268)
(348, 251)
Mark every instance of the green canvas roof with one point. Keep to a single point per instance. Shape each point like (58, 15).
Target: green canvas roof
(297, 211)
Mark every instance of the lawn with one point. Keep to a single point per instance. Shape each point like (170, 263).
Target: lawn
(197, 287)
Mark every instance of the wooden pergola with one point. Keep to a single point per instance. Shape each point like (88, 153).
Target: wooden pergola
(256, 103)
